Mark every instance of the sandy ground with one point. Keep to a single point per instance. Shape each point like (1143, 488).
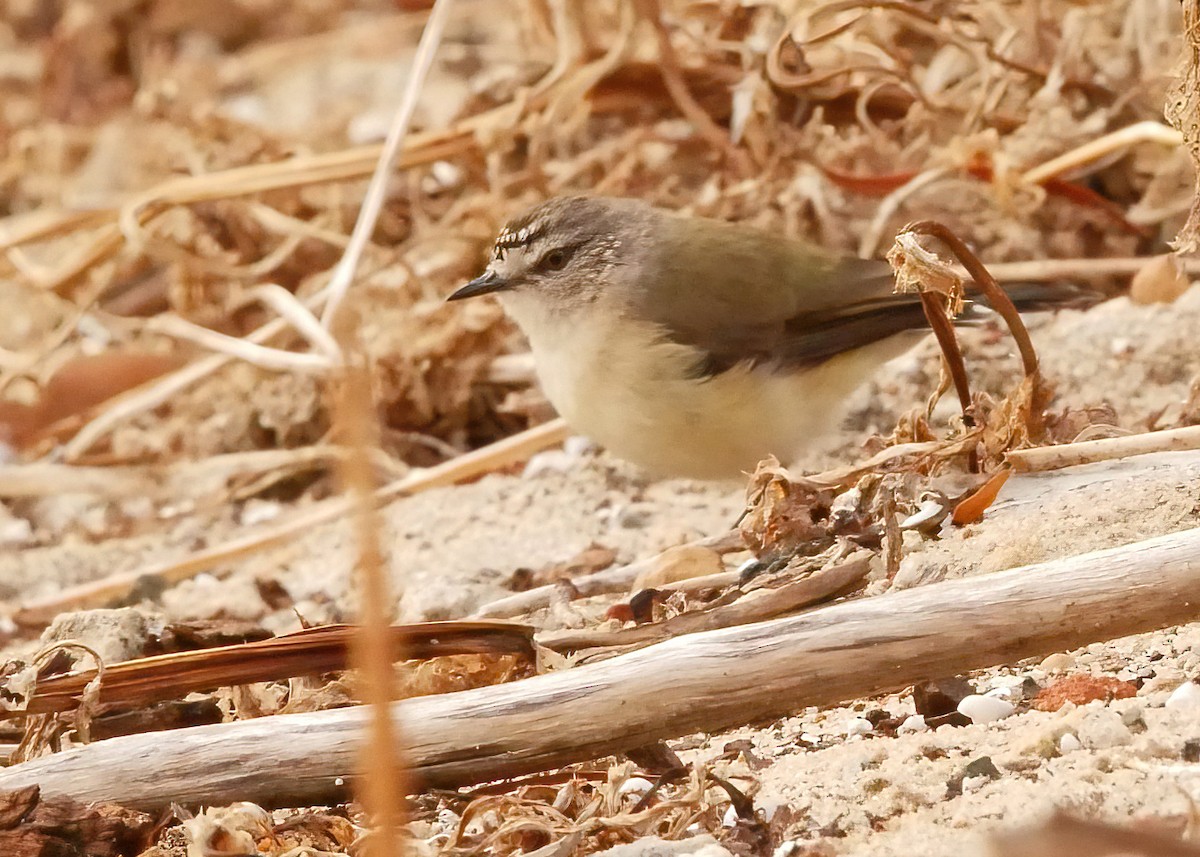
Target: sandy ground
(457, 548)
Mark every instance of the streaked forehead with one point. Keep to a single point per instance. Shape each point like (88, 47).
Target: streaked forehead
(567, 216)
(518, 234)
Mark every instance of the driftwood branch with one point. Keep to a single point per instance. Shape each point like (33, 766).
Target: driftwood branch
(705, 681)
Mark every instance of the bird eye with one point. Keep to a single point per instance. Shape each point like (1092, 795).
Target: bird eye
(556, 259)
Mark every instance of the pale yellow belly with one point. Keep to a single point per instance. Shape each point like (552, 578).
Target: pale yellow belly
(631, 394)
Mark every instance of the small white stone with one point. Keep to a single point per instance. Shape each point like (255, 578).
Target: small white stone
(369, 127)
(1002, 692)
(787, 848)
(446, 174)
(974, 784)
(447, 820)
(635, 785)
(859, 726)
(1187, 695)
(1057, 662)
(1102, 729)
(810, 738)
(1068, 743)
(14, 530)
(913, 723)
(985, 709)
(927, 511)
(551, 461)
(730, 818)
(259, 512)
(579, 446)
(1132, 715)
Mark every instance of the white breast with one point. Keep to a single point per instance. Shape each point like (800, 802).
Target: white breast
(622, 384)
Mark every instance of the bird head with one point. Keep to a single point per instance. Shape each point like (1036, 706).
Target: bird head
(564, 254)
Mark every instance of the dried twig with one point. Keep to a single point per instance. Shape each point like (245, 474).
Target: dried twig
(1089, 451)
(599, 583)
(311, 651)
(1093, 150)
(762, 605)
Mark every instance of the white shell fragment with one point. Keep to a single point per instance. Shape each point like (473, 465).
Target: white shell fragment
(912, 723)
(859, 726)
(1068, 743)
(985, 709)
(927, 511)
(1187, 695)
(635, 785)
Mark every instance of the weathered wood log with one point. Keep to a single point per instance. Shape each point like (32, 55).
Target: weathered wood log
(705, 681)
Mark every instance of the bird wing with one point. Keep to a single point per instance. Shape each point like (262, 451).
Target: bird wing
(738, 295)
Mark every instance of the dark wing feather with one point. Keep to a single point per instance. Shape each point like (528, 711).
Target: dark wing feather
(741, 296)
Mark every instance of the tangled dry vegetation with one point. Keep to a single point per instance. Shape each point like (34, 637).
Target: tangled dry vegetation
(179, 179)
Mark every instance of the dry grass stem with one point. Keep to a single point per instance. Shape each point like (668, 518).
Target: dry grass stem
(1089, 451)
(383, 780)
(236, 347)
(368, 215)
(1094, 150)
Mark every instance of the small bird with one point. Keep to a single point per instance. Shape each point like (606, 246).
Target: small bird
(691, 346)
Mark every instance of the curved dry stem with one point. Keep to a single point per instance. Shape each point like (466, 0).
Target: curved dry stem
(939, 320)
(259, 355)
(983, 278)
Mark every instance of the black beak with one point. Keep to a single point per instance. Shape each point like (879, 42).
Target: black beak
(489, 282)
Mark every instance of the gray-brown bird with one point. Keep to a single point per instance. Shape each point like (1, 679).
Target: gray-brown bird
(692, 346)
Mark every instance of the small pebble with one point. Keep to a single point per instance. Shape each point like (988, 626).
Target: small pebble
(446, 174)
(1068, 743)
(845, 505)
(635, 516)
(578, 446)
(926, 513)
(551, 461)
(974, 784)
(1057, 662)
(985, 709)
(1103, 729)
(787, 848)
(730, 818)
(859, 726)
(1132, 717)
(1003, 692)
(1187, 695)
(912, 723)
(635, 785)
(259, 512)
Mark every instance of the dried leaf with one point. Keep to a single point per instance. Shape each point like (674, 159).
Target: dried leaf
(1160, 281)
(971, 509)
